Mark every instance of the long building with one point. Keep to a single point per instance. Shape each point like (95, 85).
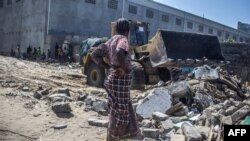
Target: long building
(43, 23)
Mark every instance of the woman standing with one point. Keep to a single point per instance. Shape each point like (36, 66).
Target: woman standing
(123, 123)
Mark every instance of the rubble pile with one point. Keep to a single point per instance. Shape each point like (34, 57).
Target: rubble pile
(194, 108)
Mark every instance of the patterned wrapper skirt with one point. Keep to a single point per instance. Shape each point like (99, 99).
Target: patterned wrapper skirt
(123, 123)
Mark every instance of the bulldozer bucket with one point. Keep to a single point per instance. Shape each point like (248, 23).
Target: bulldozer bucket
(167, 46)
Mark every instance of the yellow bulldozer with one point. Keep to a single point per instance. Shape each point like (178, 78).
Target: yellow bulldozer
(153, 59)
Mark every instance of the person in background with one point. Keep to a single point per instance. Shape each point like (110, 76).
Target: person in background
(18, 51)
(56, 51)
(29, 52)
(39, 53)
(60, 55)
(123, 123)
(34, 53)
(43, 56)
(12, 52)
(48, 54)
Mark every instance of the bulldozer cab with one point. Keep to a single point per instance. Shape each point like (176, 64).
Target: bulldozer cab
(138, 34)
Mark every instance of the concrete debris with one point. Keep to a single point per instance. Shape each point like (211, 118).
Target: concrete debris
(177, 137)
(151, 133)
(90, 100)
(230, 110)
(204, 131)
(37, 95)
(99, 106)
(44, 92)
(63, 91)
(159, 116)
(191, 133)
(98, 123)
(167, 125)
(239, 114)
(25, 89)
(179, 89)
(60, 107)
(158, 100)
(60, 126)
(147, 123)
(174, 108)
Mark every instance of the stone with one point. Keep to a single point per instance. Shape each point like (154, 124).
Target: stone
(159, 116)
(79, 103)
(151, 133)
(60, 126)
(37, 95)
(182, 112)
(60, 107)
(59, 97)
(179, 119)
(90, 100)
(203, 100)
(167, 125)
(239, 114)
(227, 120)
(159, 100)
(230, 110)
(82, 97)
(25, 89)
(100, 105)
(191, 133)
(95, 92)
(174, 108)
(239, 104)
(204, 131)
(63, 91)
(44, 92)
(177, 137)
(147, 123)
(179, 89)
(98, 123)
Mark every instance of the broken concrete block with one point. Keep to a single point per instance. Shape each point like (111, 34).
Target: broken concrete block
(230, 110)
(167, 125)
(182, 112)
(203, 100)
(37, 95)
(90, 100)
(61, 107)
(204, 131)
(98, 123)
(63, 91)
(227, 104)
(179, 89)
(147, 123)
(227, 120)
(174, 108)
(239, 114)
(159, 100)
(44, 92)
(177, 137)
(159, 116)
(60, 126)
(25, 89)
(100, 105)
(59, 97)
(151, 133)
(190, 132)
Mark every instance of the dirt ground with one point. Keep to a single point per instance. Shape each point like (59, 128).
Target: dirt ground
(24, 118)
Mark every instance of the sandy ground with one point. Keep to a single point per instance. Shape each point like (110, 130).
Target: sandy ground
(23, 118)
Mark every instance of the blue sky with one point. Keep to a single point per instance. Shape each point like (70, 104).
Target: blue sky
(227, 12)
